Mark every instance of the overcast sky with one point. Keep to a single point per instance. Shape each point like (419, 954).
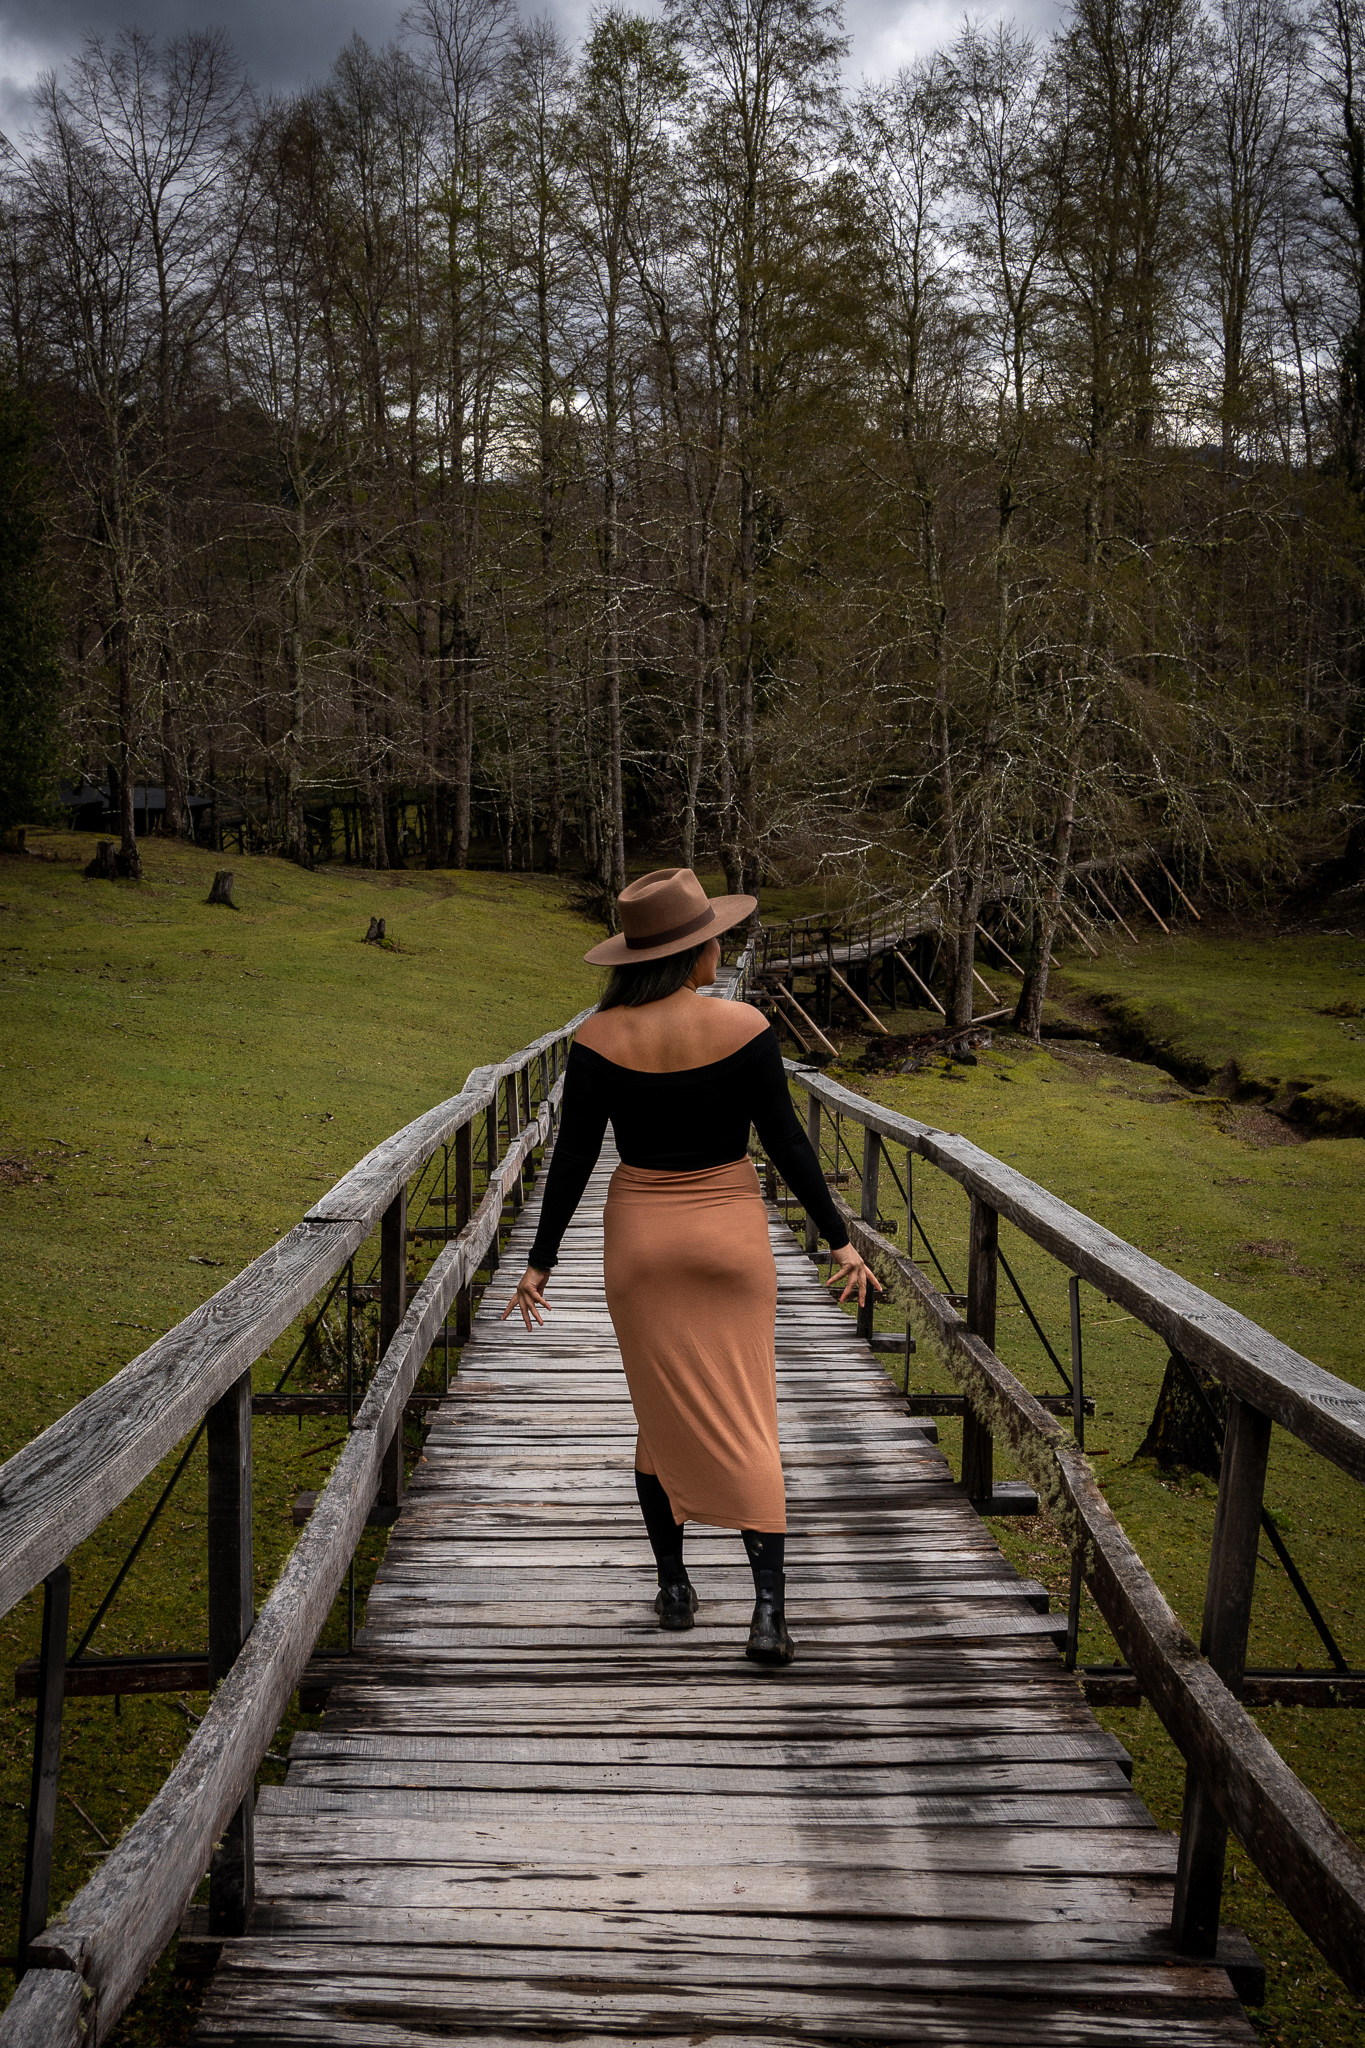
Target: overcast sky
(287, 42)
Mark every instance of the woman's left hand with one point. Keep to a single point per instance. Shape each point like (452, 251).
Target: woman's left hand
(850, 1268)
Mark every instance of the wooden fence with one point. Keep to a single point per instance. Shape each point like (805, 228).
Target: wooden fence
(81, 1971)
(1235, 1779)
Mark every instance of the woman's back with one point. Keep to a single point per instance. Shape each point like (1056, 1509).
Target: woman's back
(679, 1032)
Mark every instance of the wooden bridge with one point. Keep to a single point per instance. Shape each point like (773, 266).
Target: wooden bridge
(526, 1813)
(883, 951)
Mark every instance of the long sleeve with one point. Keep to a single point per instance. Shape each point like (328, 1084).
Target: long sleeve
(582, 1127)
(787, 1145)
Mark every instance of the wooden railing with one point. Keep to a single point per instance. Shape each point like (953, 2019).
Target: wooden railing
(1234, 1777)
(81, 1971)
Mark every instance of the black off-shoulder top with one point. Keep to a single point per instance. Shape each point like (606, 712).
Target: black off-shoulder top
(679, 1123)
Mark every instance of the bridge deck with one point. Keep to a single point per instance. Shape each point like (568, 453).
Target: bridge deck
(528, 1813)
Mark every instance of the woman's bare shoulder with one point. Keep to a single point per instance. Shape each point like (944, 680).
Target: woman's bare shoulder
(735, 1025)
(590, 1032)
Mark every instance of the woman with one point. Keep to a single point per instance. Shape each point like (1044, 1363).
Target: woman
(690, 1277)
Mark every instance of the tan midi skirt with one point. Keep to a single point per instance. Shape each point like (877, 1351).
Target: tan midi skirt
(692, 1289)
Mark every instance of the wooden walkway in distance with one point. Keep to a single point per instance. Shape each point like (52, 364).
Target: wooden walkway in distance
(528, 1813)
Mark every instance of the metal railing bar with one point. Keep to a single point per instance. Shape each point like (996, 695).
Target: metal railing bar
(310, 1327)
(1277, 1542)
(1038, 1329)
(131, 1559)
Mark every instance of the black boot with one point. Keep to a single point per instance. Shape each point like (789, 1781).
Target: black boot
(675, 1603)
(769, 1642)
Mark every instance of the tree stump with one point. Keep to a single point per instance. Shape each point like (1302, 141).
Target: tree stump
(375, 935)
(1180, 1432)
(102, 868)
(129, 865)
(221, 892)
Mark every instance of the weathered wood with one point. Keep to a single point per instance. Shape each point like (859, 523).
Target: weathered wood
(1323, 1411)
(231, 1611)
(109, 1677)
(47, 1757)
(117, 1925)
(1143, 900)
(1227, 1625)
(59, 1488)
(1303, 1854)
(921, 985)
(50, 2009)
(788, 1000)
(871, 1172)
(866, 1008)
(1108, 1686)
(991, 940)
(464, 1208)
(393, 1302)
(812, 1234)
(221, 892)
(1178, 890)
(978, 1478)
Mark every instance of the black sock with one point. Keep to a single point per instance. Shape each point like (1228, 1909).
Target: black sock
(766, 1553)
(665, 1535)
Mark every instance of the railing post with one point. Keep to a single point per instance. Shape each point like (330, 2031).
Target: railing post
(464, 1209)
(1073, 1599)
(872, 1160)
(978, 1475)
(493, 1156)
(1227, 1623)
(518, 1188)
(813, 1133)
(47, 1754)
(232, 1878)
(393, 1305)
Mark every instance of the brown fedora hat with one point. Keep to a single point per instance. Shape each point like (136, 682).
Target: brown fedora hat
(667, 912)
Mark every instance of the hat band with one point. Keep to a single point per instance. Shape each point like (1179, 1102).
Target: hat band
(677, 931)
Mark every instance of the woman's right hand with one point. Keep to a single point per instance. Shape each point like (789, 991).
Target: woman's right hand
(529, 1297)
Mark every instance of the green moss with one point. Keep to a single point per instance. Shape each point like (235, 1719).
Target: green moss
(180, 1084)
(1273, 1224)
(1279, 1016)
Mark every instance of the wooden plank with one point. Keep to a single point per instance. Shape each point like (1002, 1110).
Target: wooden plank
(48, 2010)
(528, 1812)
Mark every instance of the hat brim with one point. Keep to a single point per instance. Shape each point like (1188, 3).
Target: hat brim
(729, 911)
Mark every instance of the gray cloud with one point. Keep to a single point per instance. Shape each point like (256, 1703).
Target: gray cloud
(287, 42)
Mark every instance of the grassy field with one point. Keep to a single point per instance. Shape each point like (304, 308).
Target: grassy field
(180, 1083)
(1266, 1218)
(1275, 1015)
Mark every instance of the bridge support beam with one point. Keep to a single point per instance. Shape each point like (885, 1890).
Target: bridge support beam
(1227, 1624)
(231, 1612)
(978, 1450)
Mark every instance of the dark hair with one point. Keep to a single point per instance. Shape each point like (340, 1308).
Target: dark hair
(649, 981)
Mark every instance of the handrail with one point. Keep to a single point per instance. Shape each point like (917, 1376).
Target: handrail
(1307, 1859)
(1324, 1412)
(58, 1489)
(112, 1931)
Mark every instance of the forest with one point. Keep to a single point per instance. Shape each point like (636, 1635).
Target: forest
(662, 444)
